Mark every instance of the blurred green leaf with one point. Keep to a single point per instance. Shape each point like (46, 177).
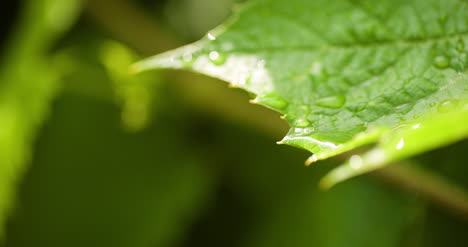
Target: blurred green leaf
(344, 73)
(94, 184)
(136, 94)
(27, 85)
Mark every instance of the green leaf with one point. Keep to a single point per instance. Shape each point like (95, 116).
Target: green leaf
(27, 85)
(345, 73)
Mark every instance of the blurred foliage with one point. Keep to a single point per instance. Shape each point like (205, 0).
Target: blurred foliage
(27, 83)
(127, 161)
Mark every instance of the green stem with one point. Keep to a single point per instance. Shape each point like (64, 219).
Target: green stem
(431, 187)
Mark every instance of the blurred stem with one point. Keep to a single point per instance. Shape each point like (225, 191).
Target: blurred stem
(430, 186)
(130, 24)
(127, 22)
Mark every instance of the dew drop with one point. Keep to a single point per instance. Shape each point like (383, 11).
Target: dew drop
(336, 101)
(271, 100)
(217, 58)
(187, 59)
(447, 105)
(302, 131)
(441, 62)
(301, 123)
(210, 36)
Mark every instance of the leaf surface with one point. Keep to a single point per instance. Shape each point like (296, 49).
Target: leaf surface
(345, 73)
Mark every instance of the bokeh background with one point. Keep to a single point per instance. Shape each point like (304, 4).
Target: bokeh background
(96, 156)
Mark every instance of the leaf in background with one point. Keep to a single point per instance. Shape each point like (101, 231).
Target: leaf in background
(92, 183)
(136, 94)
(27, 85)
(344, 73)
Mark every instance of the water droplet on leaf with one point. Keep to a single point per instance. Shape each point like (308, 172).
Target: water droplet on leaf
(336, 101)
(217, 58)
(271, 100)
(302, 123)
(187, 59)
(441, 62)
(447, 105)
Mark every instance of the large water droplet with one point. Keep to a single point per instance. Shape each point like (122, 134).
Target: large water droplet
(336, 101)
(271, 100)
(217, 58)
(447, 105)
(301, 123)
(441, 62)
